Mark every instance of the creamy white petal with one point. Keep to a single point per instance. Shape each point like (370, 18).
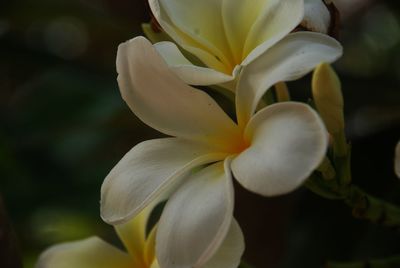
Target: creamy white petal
(163, 101)
(133, 233)
(287, 142)
(192, 36)
(293, 57)
(238, 17)
(89, 253)
(196, 219)
(149, 170)
(397, 160)
(230, 252)
(185, 70)
(278, 19)
(317, 17)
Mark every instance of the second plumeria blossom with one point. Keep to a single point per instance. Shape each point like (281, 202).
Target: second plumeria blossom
(227, 34)
(93, 252)
(270, 153)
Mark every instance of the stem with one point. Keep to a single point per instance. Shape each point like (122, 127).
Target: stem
(9, 254)
(392, 262)
(373, 209)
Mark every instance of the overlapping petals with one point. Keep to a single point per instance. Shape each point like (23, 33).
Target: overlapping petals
(96, 253)
(89, 253)
(140, 248)
(271, 153)
(227, 34)
(200, 210)
(150, 169)
(297, 55)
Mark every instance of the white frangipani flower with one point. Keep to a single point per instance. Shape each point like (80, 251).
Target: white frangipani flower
(227, 34)
(270, 153)
(93, 252)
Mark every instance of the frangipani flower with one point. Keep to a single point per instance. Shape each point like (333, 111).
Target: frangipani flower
(270, 153)
(93, 252)
(227, 34)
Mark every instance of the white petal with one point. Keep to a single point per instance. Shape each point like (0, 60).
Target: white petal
(397, 160)
(197, 27)
(88, 253)
(196, 219)
(133, 233)
(278, 20)
(185, 70)
(317, 17)
(150, 169)
(159, 98)
(293, 57)
(230, 252)
(239, 16)
(287, 142)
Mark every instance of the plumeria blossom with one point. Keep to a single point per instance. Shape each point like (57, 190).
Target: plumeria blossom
(270, 153)
(227, 34)
(93, 252)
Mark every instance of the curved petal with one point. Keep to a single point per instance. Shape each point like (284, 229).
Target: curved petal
(185, 70)
(150, 169)
(164, 102)
(196, 219)
(293, 57)
(317, 17)
(186, 24)
(397, 160)
(287, 142)
(231, 250)
(278, 19)
(238, 17)
(133, 233)
(89, 253)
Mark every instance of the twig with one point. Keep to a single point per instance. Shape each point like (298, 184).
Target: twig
(392, 262)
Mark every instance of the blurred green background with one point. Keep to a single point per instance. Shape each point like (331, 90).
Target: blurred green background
(63, 126)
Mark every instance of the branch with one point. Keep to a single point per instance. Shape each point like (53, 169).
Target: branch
(382, 263)
(373, 209)
(363, 205)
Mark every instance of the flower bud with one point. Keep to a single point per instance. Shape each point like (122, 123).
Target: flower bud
(282, 92)
(327, 93)
(321, 16)
(317, 17)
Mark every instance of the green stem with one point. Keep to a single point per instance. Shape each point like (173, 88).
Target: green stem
(393, 262)
(370, 208)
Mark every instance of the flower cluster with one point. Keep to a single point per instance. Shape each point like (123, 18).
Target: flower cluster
(246, 47)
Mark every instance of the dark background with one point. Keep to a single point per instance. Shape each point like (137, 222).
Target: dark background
(63, 126)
